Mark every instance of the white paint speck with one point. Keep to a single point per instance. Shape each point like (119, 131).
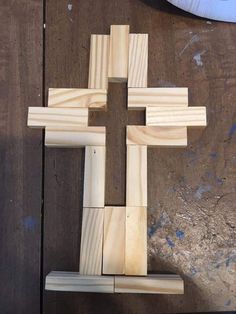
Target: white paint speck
(44, 25)
(198, 58)
(70, 6)
(194, 39)
(209, 22)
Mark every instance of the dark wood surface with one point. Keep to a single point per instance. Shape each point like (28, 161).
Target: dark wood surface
(191, 202)
(20, 156)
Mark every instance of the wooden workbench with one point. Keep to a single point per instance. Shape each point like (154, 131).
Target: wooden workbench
(191, 192)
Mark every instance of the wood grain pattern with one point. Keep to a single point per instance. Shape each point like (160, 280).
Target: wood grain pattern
(136, 241)
(136, 175)
(114, 240)
(73, 281)
(75, 136)
(160, 284)
(156, 136)
(176, 116)
(94, 176)
(140, 98)
(118, 53)
(138, 60)
(91, 241)
(77, 98)
(98, 61)
(21, 158)
(39, 117)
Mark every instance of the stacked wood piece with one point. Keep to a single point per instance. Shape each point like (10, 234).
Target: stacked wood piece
(114, 239)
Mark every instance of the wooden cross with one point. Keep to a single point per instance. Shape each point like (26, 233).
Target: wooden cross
(114, 239)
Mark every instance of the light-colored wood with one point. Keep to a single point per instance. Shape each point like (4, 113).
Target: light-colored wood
(160, 284)
(94, 176)
(114, 240)
(136, 241)
(98, 61)
(138, 60)
(156, 136)
(39, 117)
(136, 175)
(75, 136)
(77, 98)
(176, 116)
(73, 281)
(91, 241)
(152, 284)
(119, 53)
(140, 98)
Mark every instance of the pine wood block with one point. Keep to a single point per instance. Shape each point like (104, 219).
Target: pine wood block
(98, 61)
(138, 60)
(75, 136)
(140, 98)
(94, 176)
(156, 136)
(39, 117)
(160, 284)
(119, 53)
(136, 241)
(91, 241)
(136, 175)
(114, 240)
(77, 98)
(176, 116)
(73, 281)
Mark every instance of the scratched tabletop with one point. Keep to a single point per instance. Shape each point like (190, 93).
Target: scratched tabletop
(191, 191)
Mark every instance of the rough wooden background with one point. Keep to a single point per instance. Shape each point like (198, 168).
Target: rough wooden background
(191, 192)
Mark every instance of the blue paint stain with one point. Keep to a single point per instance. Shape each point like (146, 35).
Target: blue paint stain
(162, 221)
(170, 242)
(219, 181)
(232, 130)
(227, 262)
(192, 156)
(30, 223)
(230, 260)
(214, 155)
(211, 176)
(201, 190)
(227, 303)
(193, 271)
(180, 234)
